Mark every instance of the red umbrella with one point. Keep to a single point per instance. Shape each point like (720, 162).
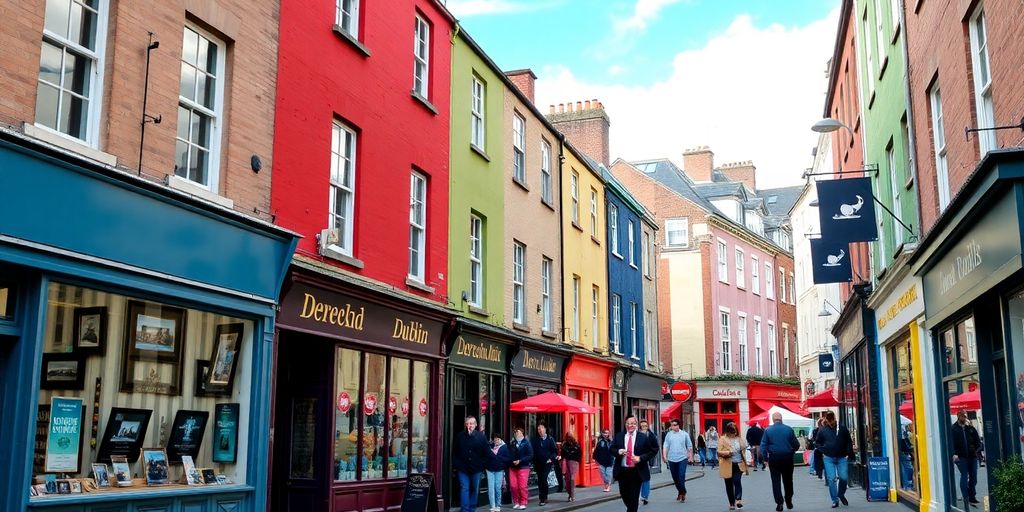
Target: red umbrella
(907, 409)
(970, 400)
(552, 402)
(823, 399)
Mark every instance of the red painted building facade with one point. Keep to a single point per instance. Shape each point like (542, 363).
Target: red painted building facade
(362, 173)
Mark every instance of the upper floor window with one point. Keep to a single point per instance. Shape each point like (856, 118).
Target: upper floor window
(792, 289)
(880, 33)
(630, 239)
(723, 261)
(782, 284)
(476, 261)
(593, 213)
(677, 232)
(575, 334)
(982, 81)
(343, 186)
(421, 51)
(755, 276)
(518, 283)
(758, 360)
(769, 286)
(724, 336)
(71, 67)
(417, 226)
(200, 108)
(613, 228)
(545, 300)
(649, 336)
(616, 323)
(895, 186)
(477, 122)
(347, 17)
(740, 274)
(939, 147)
(519, 148)
(646, 255)
(595, 328)
(632, 330)
(574, 193)
(545, 172)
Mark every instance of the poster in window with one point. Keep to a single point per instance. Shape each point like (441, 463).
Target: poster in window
(224, 360)
(186, 434)
(225, 433)
(303, 438)
(124, 434)
(64, 437)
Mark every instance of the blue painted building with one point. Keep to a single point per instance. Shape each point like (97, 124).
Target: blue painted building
(625, 279)
(154, 309)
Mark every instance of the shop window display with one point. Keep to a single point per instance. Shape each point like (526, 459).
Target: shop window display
(1015, 312)
(966, 444)
(122, 376)
(906, 428)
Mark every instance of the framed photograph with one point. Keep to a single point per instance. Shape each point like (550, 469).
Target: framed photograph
(209, 476)
(224, 360)
(64, 370)
(222, 480)
(225, 433)
(202, 370)
(90, 330)
(101, 475)
(76, 487)
(63, 486)
(154, 464)
(192, 475)
(122, 471)
(124, 434)
(186, 434)
(155, 332)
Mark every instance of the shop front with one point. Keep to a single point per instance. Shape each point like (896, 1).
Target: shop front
(721, 402)
(588, 379)
(476, 385)
(763, 395)
(618, 399)
(358, 393)
(537, 367)
(971, 272)
(680, 407)
(135, 330)
(644, 393)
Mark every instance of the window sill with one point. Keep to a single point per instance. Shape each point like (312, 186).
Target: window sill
(181, 184)
(345, 36)
(577, 226)
(412, 282)
(595, 240)
(723, 281)
(617, 255)
(423, 101)
(520, 327)
(520, 184)
(136, 492)
(334, 254)
(476, 149)
(547, 203)
(871, 101)
(549, 334)
(895, 32)
(649, 277)
(635, 358)
(634, 266)
(479, 311)
(882, 66)
(67, 142)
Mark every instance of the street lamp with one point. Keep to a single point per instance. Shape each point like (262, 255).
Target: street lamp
(829, 125)
(825, 312)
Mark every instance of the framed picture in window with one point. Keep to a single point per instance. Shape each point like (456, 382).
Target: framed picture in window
(90, 330)
(226, 346)
(64, 370)
(124, 434)
(154, 332)
(154, 465)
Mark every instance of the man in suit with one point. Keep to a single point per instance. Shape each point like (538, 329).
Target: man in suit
(470, 454)
(633, 449)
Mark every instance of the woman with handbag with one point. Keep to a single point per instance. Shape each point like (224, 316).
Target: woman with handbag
(521, 452)
(731, 448)
(571, 455)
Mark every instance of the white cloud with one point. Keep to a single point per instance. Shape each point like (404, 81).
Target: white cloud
(751, 93)
(616, 69)
(467, 8)
(625, 31)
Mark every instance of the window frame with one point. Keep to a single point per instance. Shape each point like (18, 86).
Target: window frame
(353, 16)
(631, 241)
(741, 258)
(478, 113)
(755, 275)
(685, 222)
(616, 335)
(518, 148)
(895, 187)
(574, 195)
(576, 285)
(983, 101)
(773, 364)
(741, 341)
(545, 282)
(782, 285)
(769, 281)
(518, 282)
(648, 336)
(723, 261)
(939, 147)
(725, 338)
(421, 41)
(613, 229)
(632, 330)
(476, 260)
(595, 315)
(345, 245)
(418, 178)
(593, 213)
(758, 360)
(645, 256)
(546, 179)
(216, 114)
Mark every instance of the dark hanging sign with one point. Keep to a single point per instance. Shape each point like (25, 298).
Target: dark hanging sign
(826, 364)
(479, 352)
(534, 363)
(847, 211)
(830, 262)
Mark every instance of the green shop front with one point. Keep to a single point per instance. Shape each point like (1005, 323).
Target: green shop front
(135, 340)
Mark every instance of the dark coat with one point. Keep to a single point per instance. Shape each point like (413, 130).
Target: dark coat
(779, 443)
(645, 446)
(834, 442)
(572, 451)
(499, 461)
(521, 451)
(603, 453)
(754, 435)
(965, 441)
(544, 450)
(470, 453)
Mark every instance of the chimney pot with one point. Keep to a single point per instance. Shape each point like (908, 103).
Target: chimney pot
(561, 108)
(551, 109)
(586, 105)
(579, 106)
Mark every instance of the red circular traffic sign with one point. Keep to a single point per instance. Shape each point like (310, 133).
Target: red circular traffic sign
(681, 391)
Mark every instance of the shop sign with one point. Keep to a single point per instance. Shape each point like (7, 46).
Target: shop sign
(585, 372)
(878, 479)
(478, 352)
(534, 363)
(644, 386)
(901, 307)
(681, 391)
(369, 403)
(619, 379)
(714, 391)
(334, 314)
(826, 364)
(845, 210)
(758, 391)
(982, 257)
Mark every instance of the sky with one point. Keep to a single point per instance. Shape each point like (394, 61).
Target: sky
(745, 77)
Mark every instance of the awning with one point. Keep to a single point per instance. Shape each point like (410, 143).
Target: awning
(824, 398)
(794, 407)
(670, 412)
(763, 405)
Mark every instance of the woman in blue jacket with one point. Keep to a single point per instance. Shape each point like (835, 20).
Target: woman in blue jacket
(521, 452)
(499, 461)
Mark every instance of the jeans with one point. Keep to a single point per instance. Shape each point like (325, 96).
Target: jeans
(810, 465)
(518, 479)
(606, 475)
(494, 479)
(703, 453)
(837, 468)
(713, 456)
(734, 485)
(968, 478)
(678, 470)
(906, 472)
(469, 490)
(645, 489)
(572, 468)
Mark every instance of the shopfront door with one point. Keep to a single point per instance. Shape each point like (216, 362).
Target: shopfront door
(718, 413)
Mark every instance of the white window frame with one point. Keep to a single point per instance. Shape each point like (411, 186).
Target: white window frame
(871, 70)
(785, 350)
(417, 230)
(476, 261)
(632, 330)
(773, 365)
(741, 259)
(518, 283)
(894, 12)
(574, 194)
(216, 114)
(895, 187)
(613, 229)
(575, 309)
(421, 58)
(758, 360)
(939, 147)
(340, 134)
(724, 337)
(769, 281)
(782, 285)
(616, 335)
(679, 225)
(593, 213)
(645, 257)
(96, 74)
(545, 172)
(792, 289)
(518, 148)
(722, 256)
(348, 21)
(880, 40)
(595, 307)
(478, 131)
(741, 340)
(545, 300)
(648, 327)
(982, 78)
(755, 275)
(631, 240)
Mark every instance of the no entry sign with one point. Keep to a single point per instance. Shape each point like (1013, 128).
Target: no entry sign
(681, 391)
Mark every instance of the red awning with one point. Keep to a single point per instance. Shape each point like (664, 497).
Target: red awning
(825, 398)
(794, 407)
(671, 411)
(552, 402)
(970, 400)
(762, 405)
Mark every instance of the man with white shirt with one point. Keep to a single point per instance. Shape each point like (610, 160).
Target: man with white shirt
(633, 449)
(677, 452)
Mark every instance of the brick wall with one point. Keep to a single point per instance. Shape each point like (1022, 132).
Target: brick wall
(525, 81)
(585, 125)
(744, 172)
(787, 317)
(698, 163)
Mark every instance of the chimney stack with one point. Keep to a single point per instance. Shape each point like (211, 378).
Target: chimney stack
(525, 81)
(586, 126)
(699, 163)
(742, 172)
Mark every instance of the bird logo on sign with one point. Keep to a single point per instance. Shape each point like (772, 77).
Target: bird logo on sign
(833, 260)
(849, 211)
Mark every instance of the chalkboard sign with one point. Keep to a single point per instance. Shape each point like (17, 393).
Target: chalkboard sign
(419, 493)
(878, 479)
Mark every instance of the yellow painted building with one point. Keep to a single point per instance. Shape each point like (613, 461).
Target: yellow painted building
(584, 263)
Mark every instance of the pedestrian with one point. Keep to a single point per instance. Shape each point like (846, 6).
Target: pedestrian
(778, 445)
(733, 466)
(818, 464)
(544, 453)
(570, 458)
(966, 445)
(645, 487)
(711, 438)
(521, 451)
(677, 452)
(500, 461)
(754, 435)
(836, 446)
(702, 449)
(633, 451)
(605, 457)
(470, 455)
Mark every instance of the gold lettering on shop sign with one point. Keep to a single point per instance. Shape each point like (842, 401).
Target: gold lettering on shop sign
(346, 316)
(411, 331)
(542, 363)
(481, 351)
(901, 303)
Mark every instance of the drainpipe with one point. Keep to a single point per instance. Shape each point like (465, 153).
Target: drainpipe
(561, 227)
(911, 147)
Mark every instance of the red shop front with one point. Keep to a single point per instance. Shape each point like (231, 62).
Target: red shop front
(589, 379)
(763, 396)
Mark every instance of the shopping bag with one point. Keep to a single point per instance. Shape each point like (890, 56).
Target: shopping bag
(552, 479)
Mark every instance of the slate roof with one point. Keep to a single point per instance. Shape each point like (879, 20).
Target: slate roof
(780, 200)
(666, 173)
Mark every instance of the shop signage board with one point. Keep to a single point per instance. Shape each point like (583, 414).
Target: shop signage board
(419, 493)
(878, 479)
(830, 261)
(826, 364)
(721, 391)
(479, 352)
(846, 210)
(534, 363)
(64, 435)
(900, 308)
(644, 386)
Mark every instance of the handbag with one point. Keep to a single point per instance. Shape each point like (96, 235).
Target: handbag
(552, 479)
